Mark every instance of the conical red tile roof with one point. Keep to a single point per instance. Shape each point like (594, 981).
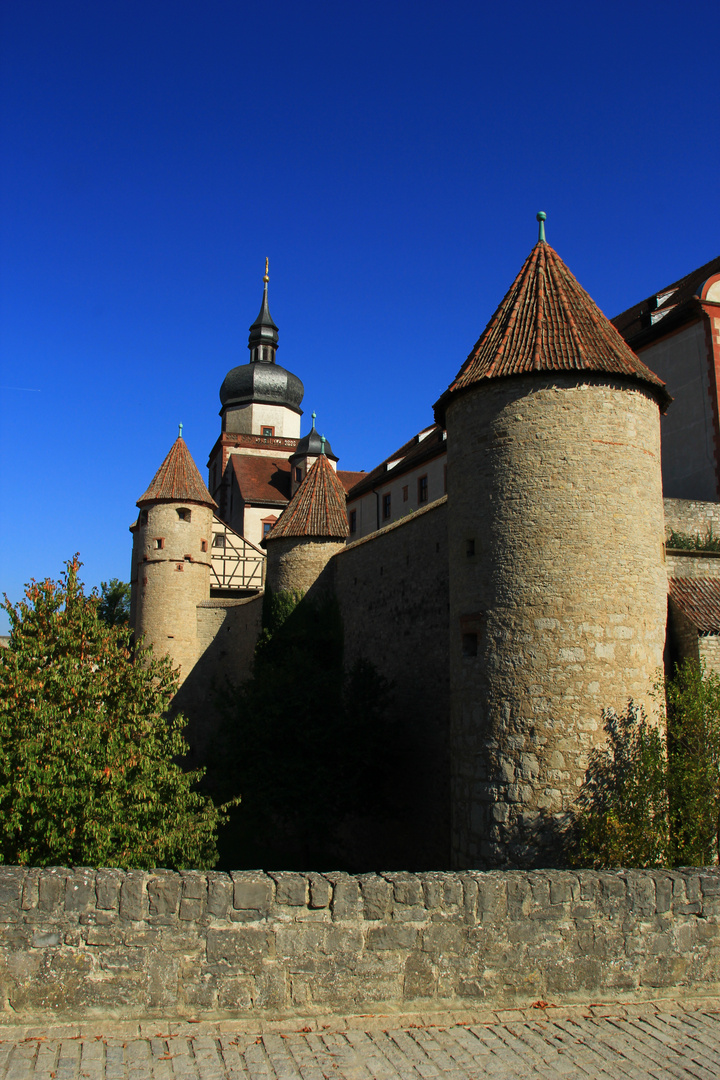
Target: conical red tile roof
(178, 480)
(318, 507)
(547, 322)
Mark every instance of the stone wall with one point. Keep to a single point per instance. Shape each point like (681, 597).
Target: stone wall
(691, 517)
(81, 943)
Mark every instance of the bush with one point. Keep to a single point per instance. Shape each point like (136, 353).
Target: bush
(88, 756)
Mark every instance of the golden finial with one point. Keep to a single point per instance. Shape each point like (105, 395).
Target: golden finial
(266, 278)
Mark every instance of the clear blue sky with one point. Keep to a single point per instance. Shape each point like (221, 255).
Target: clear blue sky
(389, 158)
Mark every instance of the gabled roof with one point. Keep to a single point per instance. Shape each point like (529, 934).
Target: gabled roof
(699, 601)
(547, 322)
(427, 444)
(178, 480)
(316, 509)
(348, 479)
(666, 309)
(261, 479)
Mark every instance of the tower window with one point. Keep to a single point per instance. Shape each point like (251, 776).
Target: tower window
(422, 489)
(268, 432)
(470, 547)
(386, 505)
(218, 540)
(184, 514)
(298, 474)
(143, 517)
(469, 644)
(203, 545)
(159, 543)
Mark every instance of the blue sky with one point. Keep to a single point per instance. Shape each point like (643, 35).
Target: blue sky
(389, 158)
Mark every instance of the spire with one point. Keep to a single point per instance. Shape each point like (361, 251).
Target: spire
(318, 507)
(548, 323)
(178, 480)
(263, 340)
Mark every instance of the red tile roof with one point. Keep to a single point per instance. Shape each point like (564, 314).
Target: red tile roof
(317, 508)
(261, 479)
(699, 601)
(349, 479)
(547, 322)
(178, 480)
(666, 309)
(427, 444)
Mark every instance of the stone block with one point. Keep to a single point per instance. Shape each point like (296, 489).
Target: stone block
(163, 893)
(392, 937)
(103, 935)
(51, 889)
(191, 910)
(320, 892)
(641, 894)
(107, 889)
(133, 896)
(519, 896)
(220, 894)
(80, 890)
(491, 897)
(30, 894)
(346, 900)
(407, 889)
(272, 987)
(444, 939)
(290, 889)
(561, 889)
(244, 949)
(235, 993)
(47, 939)
(12, 880)
(252, 890)
(377, 894)
(194, 885)
(420, 977)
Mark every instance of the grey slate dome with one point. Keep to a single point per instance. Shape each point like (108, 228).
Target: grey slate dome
(312, 445)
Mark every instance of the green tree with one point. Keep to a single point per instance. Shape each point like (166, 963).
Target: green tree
(88, 754)
(622, 813)
(114, 603)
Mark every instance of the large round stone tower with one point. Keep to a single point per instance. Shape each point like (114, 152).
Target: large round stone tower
(558, 589)
(171, 558)
(310, 530)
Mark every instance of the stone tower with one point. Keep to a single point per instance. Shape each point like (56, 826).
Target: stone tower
(557, 579)
(310, 530)
(170, 572)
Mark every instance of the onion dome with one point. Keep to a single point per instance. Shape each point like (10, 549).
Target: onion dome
(262, 380)
(178, 480)
(312, 445)
(317, 509)
(548, 323)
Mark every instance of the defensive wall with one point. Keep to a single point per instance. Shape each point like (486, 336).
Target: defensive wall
(78, 944)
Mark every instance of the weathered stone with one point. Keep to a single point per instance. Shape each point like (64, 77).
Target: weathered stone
(346, 900)
(392, 937)
(80, 890)
(220, 894)
(11, 885)
(246, 948)
(252, 890)
(107, 889)
(163, 894)
(320, 892)
(46, 940)
(407, 889)
(290, 889)
(420, 977)
(51, 889)
(377, 894)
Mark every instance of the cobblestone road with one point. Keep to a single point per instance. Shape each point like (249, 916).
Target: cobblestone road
(679, 1040)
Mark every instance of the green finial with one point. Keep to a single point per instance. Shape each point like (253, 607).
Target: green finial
(180, 427)
(322, 444)
(541, 217)
(314, 415)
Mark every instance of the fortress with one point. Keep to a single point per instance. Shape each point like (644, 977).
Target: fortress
(507, 568)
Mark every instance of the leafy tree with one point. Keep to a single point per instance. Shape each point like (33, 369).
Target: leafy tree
(88, 755)
(693, 724)
(622, 813)
(114, 603)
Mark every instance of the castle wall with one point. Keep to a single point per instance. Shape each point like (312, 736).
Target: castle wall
(82, 943)
(294, 564)
(367, 506)
(688, 428)
(558, 597)
(392, 588)
(692, 517)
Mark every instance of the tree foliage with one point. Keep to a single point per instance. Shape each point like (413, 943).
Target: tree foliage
(88, 755)
(114, 602)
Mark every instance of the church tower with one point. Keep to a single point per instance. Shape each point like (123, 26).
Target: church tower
(557, 580)
(170, 572)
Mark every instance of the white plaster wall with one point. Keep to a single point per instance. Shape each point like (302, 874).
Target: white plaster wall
(250, 420)
(366, 505)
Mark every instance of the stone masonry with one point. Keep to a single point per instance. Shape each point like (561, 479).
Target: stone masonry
(78, 944)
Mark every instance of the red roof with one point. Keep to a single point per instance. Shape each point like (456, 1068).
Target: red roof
(178, 480)
(261, 479)
(427, 444)
(317, 508)
(699, 601)
(547, 322)
(666, 309)
(349, 479)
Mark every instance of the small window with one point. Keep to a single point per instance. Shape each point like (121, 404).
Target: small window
(159, 543)
(203, 545)
(405, 493)
(267, 526)
(469, 644)
(184, 514)
(470, 548)
(422, 489)
(218, 540)
(180, 566)
(268, 432)
(386, 504)
(298, 474)
(353, 521)
(143, 517)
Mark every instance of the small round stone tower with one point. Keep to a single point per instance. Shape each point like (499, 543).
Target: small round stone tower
(171, 558)
(558, 589)
(311, 529)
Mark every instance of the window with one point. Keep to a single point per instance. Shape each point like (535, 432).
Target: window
(218, 540)
(203, 545)
(470, 548)
(469, 644)
(405, 493)
(422, 489)
(267, 524)
(268, 432)
(184, 514)
(386, 502)
(353, 521)
(298, 474)
(143, 517)
(159, 543)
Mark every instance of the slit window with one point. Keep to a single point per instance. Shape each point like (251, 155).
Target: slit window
(353, 521)
(422, 489)
(203, 545)
(386, 505)
(469, 644)
(159, 543)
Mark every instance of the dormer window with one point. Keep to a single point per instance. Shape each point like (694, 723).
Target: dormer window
(184, 514)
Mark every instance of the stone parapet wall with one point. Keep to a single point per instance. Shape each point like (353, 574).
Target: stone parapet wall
(77, 944)
(692, 517)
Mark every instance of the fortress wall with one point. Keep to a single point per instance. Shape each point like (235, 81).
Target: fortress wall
(693, 564)
(77, 944)
(294, 564)
(692, 518)
(392, 588)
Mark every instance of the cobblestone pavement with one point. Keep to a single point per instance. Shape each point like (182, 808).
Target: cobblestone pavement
(661, 1039)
